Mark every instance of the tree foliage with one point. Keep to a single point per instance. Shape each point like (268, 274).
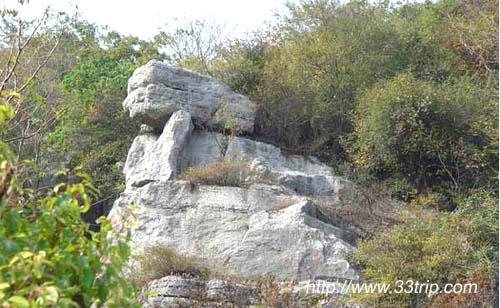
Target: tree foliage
(95, 131)
(427, 132)
(309, 71)
(48, 256)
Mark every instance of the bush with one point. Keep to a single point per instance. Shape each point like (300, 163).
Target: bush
(160, 261)
(436, 247)
(479, 213)
(425, 132)
(240, 64)
(426, 247)
(400, 188)
(432, 200)
(223, 172)
(316, 61)
(50, 258)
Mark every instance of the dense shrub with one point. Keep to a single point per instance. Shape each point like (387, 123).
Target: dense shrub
(240, 65)
(424, 248)
(315, 63)
(223, 172)
(424, 132)
(432, 200)
(437, 247)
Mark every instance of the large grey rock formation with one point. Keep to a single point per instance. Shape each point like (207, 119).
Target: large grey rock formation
(156, 90)
(247, 231)
(275, 225)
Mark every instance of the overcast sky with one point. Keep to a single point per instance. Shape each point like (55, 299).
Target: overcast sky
(143, 18)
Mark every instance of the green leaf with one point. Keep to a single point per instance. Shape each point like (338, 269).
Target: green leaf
(88, 278)
(19, 301)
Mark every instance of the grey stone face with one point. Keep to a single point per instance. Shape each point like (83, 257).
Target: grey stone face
(181, 291)
(156, 90)
(136, 165)
(154, 158)
(175, 291)
(272, 226)
(203, 148)
(243, 230)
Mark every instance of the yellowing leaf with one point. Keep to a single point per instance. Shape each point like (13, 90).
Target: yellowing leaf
(26, 254)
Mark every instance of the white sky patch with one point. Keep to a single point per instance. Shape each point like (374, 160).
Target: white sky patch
(144, 18)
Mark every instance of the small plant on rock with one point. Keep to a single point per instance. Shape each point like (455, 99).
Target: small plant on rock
(159, 261)
(223, 172)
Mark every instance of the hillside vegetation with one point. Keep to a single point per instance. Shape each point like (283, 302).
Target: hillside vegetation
(399, 98)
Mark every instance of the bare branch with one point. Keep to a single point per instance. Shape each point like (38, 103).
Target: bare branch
(16, 58)
(38, 131)
(6, 65)
(44, 62)
(35, 29)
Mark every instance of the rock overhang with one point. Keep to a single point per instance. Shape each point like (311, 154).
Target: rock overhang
(156, 90)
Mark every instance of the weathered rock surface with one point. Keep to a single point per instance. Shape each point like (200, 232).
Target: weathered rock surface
(179, 291)
(303, 176)
(156, 90)
(271, 226)
(248, 232)
(154, 158)
(175, 291)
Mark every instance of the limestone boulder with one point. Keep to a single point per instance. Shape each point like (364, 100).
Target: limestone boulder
(156, 90)
(246, 231)
(177, 291)
(181, 291)
(275, 224)
(153, 158)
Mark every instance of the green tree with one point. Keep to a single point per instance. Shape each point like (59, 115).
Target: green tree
(94, 130)
(48, 256)
(321, 57)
